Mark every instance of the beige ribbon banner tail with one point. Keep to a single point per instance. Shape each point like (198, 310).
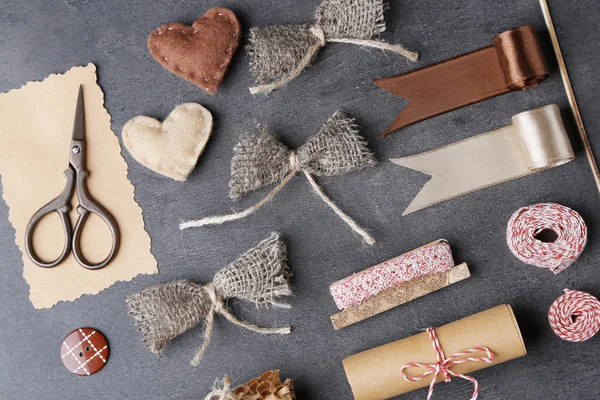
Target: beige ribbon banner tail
(536, 141)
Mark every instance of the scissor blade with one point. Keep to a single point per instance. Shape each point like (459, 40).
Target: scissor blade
(79, 124)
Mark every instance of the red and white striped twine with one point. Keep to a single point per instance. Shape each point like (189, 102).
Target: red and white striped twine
(575, 316)
(527, 222)
(443, 365)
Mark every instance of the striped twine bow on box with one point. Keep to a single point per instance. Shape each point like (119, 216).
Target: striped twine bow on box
(443, 365)
(575, 316)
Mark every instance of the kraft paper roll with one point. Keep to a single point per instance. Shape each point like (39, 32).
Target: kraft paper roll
(375, 374)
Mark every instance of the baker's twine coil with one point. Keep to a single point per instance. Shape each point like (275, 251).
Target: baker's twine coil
(575, 316)
(527, 222)
(443, 365)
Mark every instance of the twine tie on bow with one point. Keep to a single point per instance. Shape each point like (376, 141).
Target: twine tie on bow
(223, 393)
(280, 53)
(218, 307)
(261, 160)
(443, 365)
(295, 166)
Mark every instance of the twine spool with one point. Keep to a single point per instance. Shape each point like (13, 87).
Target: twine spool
(575, 316)
(527, 223)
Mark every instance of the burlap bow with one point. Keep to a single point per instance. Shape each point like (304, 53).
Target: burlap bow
(281, 53)
(268, 386)
(260, 275)
(261, 160)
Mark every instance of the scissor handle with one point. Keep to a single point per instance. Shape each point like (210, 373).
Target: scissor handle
(86, 206)
(61, 206)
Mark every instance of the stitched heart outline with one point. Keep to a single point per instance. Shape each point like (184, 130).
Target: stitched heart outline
(200, 53)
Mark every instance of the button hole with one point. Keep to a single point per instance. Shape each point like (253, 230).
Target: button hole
(80, 354)
(87, 348)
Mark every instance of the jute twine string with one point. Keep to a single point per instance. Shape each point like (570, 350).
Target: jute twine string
(220, 219)
(527, 222)
(261, 160)
(260, 275)
(312, 51)
(575, 316)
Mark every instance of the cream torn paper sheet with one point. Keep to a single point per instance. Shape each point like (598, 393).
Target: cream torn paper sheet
(36, 124)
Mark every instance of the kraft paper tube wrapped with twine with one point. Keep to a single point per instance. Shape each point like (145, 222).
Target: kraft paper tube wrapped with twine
(376, 374)
(280, 53)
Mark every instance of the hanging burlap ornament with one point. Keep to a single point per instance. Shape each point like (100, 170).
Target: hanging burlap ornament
(163, 312)
(268, 386)
(261, 160)
(280, 53)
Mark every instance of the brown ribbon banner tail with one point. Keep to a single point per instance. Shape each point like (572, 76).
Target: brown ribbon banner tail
(536, 141)
(515, 61)
(399, 295)
(375, 374)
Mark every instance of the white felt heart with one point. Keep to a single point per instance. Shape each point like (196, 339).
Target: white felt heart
(172, 147)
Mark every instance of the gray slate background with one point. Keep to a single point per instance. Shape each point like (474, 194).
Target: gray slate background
(40, 37)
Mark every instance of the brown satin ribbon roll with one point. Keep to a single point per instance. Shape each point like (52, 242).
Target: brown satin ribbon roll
(515, 61)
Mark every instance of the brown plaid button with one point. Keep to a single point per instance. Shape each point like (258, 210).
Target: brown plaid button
(84, 351)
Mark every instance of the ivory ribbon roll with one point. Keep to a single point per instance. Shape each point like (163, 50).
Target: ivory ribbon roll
(375, 374)
(536, 141)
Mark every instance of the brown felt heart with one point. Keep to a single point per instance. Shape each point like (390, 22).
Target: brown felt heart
(199, 53)
(172, 147)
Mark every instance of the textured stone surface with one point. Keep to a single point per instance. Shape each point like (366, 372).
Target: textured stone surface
(40, 37)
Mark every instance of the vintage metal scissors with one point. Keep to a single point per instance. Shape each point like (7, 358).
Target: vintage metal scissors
(76, 175)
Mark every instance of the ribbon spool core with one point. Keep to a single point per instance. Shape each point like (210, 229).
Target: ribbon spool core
(546, 235)
(543, 138)
(521, 58)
